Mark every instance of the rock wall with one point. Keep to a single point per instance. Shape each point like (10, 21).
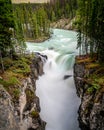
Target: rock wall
(64, 24)
(7, 117)
(91, 110)
(24, 114)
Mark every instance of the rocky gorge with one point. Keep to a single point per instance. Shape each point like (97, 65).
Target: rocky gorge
(91, 110)
(24, 113)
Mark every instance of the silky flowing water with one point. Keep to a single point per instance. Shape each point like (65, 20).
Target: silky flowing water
(58, 100)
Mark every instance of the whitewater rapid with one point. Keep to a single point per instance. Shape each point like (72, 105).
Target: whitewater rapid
(58, 100)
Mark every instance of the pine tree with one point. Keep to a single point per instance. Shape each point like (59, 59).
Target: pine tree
(92, 26)
(6, 25)
(6, 28)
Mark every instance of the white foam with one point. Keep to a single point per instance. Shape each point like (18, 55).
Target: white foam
(58, 100)
(65, 40)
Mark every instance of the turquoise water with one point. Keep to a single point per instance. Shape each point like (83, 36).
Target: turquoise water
(58, 100)
(62, 42)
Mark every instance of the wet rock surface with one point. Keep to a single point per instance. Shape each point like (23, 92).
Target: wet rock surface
(24, 114)
(91, 110)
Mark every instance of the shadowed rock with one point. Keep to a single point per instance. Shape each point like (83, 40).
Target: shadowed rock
(51, 48)
(41, 55)
(67, 76)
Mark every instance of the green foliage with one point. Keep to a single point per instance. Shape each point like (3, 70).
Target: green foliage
(16, 68)
(31, 22)
(94, 87)
(90, 90)
(11, 85)
(7, 62)
(10, 82)
(21, 66)
(16, 94)
(6, 25)
(30, 96)
(34, 114)
(61, 8)
(91, 25)
(97, 82)
(14, 73)
(18, 30)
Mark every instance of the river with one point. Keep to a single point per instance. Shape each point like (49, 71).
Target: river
(55, 89)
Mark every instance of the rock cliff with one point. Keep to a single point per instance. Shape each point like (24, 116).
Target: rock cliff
(91, 110)
(7, 117)
(64, 24)
(24, 113)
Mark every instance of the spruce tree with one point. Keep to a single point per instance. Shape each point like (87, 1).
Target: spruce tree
(6, 26)
(91, 25)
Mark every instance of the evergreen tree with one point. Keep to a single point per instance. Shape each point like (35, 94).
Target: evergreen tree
(6, 26)
(18, 30)
(92, 26)
(6, 29)
(31, 20)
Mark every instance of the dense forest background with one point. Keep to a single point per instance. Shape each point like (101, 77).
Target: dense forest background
(23, 22)
(33, 20)
(90, 20)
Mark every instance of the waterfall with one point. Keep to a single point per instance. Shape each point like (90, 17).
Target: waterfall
(58, 100)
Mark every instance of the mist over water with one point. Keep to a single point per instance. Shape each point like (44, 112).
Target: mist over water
(58, 100)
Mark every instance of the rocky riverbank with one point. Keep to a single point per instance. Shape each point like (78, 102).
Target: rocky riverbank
(91, 92)
(23, 114)
(64, 23)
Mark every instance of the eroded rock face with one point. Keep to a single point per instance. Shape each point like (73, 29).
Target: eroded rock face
(30, 116)
(91, 110)
(24, 114)
(79, 72)
(7, 118)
